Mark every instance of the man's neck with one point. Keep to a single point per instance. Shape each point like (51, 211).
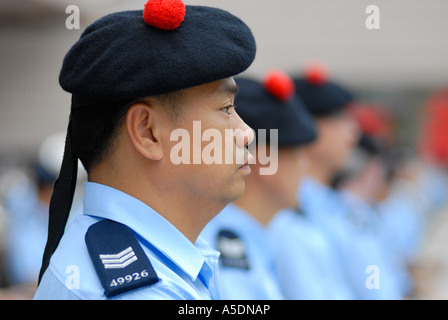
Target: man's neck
(259, 207)
(188, 215)
(319, 173)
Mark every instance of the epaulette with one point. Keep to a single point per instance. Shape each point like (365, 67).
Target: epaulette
(232, 250)
(118, 258)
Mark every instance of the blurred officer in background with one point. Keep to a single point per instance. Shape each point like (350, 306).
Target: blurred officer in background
(418, 188)
(28, 203)
(26, 200)
(433, 150)
(306, 241)
(135, 78)
(363, 185)
(247, 266)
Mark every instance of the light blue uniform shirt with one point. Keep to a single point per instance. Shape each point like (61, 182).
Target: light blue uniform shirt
(365, 247)
(306, 261)
(309, 264)
(357, 247)
(404, 215)
(185, 270)
(405, 211)
(432, 184)
(27, 233)
(257, 282)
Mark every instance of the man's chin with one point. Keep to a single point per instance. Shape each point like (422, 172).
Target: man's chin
(237, 192)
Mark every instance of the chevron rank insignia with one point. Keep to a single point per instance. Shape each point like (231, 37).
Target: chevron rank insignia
(118, 258)
(232, 249)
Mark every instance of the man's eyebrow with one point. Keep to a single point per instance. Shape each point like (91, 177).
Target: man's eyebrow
(231, 88)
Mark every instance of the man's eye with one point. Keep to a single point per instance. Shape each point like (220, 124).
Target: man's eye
(227, 109)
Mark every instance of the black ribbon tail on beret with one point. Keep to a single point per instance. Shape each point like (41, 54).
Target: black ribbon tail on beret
(61, 201)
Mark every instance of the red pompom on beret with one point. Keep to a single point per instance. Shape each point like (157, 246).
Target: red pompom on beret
(280, 85)
(322, 96)
(373, 120)
(316, 73)
(164, 14)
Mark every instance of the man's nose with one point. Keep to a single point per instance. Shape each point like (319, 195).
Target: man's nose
(244, 134)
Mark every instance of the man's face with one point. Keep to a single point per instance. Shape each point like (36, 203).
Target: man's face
(209, 109)
(338, 135)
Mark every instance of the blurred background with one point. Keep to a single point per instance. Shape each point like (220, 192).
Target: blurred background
(402, 67)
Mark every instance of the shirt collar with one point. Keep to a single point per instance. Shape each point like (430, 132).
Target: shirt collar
(109, 203)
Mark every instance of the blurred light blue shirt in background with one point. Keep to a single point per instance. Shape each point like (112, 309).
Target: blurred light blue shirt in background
(328, 251)
(350, 226)
(307, 264)
(368, 251)
(246, 268)
(27, 233)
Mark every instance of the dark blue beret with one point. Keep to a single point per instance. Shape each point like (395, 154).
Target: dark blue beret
(262, 110)
(120, 57)
(323, 99)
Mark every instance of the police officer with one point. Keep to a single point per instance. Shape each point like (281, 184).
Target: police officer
(309, 263)
(366, 185)
(135, 77)
(27, 202)
(247, 266)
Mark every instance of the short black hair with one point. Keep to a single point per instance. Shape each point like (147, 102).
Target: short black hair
(171, 101)
(94, 128)
(93, 131)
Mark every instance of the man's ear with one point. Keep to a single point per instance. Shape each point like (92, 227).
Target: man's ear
(141, 120)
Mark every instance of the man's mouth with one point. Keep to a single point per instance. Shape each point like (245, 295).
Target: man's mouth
(249, 159)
